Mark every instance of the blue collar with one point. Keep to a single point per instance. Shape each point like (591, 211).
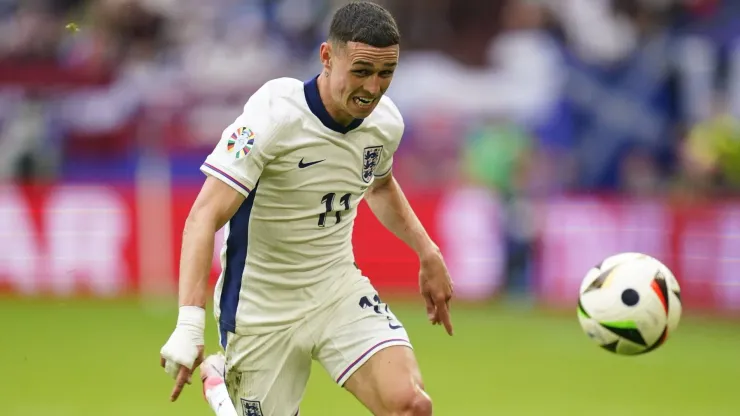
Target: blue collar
(313, 99)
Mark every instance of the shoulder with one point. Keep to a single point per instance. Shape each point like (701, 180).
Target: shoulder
(388, 113)
(269, 117)
(282, 88)
(276, 101)
(388, 119)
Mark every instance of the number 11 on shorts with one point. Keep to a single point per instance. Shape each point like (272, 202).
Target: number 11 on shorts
(381, 309)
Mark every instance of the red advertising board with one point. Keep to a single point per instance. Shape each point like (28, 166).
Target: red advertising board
(110, 240)
(67, 240)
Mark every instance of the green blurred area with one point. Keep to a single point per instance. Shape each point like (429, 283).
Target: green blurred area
(98, 357)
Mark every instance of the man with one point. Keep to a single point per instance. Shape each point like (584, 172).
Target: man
(288, 176)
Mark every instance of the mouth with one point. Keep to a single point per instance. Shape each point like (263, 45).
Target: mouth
(363, 102)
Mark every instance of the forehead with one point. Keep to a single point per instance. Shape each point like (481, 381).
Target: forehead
(358, 53)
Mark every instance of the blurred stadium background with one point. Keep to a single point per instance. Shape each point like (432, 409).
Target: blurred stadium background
(542, 136)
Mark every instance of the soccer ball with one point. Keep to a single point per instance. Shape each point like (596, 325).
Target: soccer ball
(629, 304)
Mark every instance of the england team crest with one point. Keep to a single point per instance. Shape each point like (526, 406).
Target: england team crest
(251, 408)
(240, 142)
(370, 160)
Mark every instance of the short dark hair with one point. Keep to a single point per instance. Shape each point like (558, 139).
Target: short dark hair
(364, 22)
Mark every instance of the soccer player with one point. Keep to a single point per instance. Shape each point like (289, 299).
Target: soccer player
(287, 177)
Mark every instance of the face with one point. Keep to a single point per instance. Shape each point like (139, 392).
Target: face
(359, 75)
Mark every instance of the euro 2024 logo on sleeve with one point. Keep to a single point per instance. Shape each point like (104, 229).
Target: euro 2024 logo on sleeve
(240, 142)
(370, 160)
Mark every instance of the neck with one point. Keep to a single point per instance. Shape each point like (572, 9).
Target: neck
(341, 117)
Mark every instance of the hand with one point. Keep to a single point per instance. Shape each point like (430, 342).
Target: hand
(183, 351)
(436, 287)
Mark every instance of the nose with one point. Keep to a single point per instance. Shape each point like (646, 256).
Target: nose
(372, 85)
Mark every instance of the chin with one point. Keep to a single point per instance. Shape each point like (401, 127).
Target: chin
(360, 112)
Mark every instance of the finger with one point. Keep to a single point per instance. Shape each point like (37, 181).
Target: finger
(176, 390)
(430, 308)
(444, 316)
(182, 377)
(196, 364)
(435, 318)
(439, 301)
(199, 359)
(433, 315)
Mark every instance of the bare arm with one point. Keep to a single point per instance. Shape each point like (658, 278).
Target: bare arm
(217, 202)
(390, 206)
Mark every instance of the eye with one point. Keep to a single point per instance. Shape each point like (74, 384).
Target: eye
(386, 74)
(361, 72)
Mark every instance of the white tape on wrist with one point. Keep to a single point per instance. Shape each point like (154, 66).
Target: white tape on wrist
(192, 316)
(192, 319)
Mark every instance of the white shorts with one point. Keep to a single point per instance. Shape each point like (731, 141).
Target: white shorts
(266, 374)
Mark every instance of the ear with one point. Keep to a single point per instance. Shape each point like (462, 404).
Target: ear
(325, 54)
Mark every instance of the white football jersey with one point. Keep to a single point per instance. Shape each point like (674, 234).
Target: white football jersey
(289, 246)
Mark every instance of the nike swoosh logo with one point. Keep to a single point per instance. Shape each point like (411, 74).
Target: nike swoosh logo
(390, 324)
(302, 165)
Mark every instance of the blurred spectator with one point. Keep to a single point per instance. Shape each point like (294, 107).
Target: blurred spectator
(27, 140)
(497, 157)
(506, 102)
(626, 99)
(600, 90)
(34, 30)
(639, 173)
(711, 156)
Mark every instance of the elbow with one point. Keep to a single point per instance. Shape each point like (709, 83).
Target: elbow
(370, 193)
(374, 192)
(381, 185)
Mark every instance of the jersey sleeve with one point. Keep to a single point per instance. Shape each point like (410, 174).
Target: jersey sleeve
(385, 166)
(247, 145)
